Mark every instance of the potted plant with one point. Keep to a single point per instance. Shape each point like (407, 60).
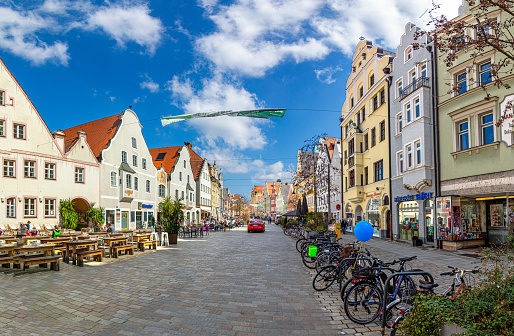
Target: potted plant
(95, 214)
(69, 217)
(171, 217)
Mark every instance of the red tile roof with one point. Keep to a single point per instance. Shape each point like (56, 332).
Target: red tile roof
(169, 160)
(196, 163)
(331, 145)
(99, 133)
(269, 187)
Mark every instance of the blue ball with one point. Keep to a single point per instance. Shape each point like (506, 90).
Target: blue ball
(363, 231)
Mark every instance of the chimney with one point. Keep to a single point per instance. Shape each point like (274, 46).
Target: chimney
(59, 136)
(188, 144)
(82, 135)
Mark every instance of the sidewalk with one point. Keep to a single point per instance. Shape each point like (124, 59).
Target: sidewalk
(429, 259)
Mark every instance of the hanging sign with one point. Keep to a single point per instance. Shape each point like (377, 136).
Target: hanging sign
(421, 196)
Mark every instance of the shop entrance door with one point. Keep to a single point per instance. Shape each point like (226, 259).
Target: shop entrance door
(124, 220)
(388, 224)
(358, 214)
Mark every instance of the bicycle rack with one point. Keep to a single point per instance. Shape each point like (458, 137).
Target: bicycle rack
(386, 290)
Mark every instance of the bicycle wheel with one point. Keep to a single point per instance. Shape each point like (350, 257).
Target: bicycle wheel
(321, 260)
(309, 262)
(345, 287)
(363, 302)
(324, 278)
(299, 243)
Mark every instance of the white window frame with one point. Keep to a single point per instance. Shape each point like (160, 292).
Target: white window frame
(134, 160)
(50, 207)
(408, 54)
(176, 194)
(417, 105)
(399, 166)
(50, 171)
(409, 156)
(418, 153)
(148, 186)
(459, 133)
(134, 142)
(124, 156)
(29, 169)
(19, 129)
(424, 64)
(128, 181)
(136, 183)
(399, 87)
(399, 125)
(2, 128)
(408, 113)
(2, 97)
(10, 207)
(79, 175)
(9, 167)
(115, 180)
(29, 204)
(479, 72)
(482, 126)
(162, 190)
(413, 76)
(143, 163)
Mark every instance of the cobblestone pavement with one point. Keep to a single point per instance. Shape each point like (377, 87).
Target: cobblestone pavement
(229, 283)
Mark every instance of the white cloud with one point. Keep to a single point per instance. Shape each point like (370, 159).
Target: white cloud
(239, 133)
(325, 75)
(128, 24)
(18, 36)
(270, 173)
(149, 84)
(254, 36)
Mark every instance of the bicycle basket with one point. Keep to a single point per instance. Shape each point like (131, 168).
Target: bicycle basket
(346, 252)
(362, 272)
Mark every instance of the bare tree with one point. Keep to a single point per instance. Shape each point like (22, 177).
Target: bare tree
(474, 38)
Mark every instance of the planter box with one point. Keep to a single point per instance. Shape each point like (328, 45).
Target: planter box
(451, 329)
(462, 244)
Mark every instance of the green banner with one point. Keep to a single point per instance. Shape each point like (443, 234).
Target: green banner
(260, 113)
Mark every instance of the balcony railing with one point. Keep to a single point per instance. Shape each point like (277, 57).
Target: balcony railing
(420, 82)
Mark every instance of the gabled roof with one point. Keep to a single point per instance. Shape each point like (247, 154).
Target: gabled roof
(196, 163)
(169, 159)
(269, 187)
(331, 141)
(99, 133)
(285, 189)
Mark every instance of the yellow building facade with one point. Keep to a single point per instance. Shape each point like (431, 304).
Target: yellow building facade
(365, 138)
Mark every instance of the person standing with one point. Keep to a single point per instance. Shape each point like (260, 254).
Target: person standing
(343, 226)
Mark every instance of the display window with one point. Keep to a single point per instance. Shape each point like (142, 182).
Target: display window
(373, 214)
(408, 219)
(458, 218)
(429, 220)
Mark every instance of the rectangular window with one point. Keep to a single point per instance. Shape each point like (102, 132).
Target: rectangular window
(424, 70)
(463, 130)
(382, 131)
(123, 156)
(184, 163)
(162, 190)
(134, 160)
(399, 88)
(134, 142)
(30, 207)
(29, 169)
(358, 119)
(19, 131)
(361, 92)
(409, 156)
(412, 77)
(128, 181)
(366, 141)
(11, 207)
(180, 176)
(147, 186)
(143, 163)
(373, 137)
(485, 73)
(379, 170)
(372, 80)
(2, 97)
(351, 102)
(114, 179)
(352, 178)
(351, 147)
(50, 171)
(79, 175)
(417, 146)
(382, 97)
(136, 183)
(375, 103)
(400, 163)
(363, 114)
(49, 208)
(417, 112)
(408, 112)
(398, 123)
(2, 128)
(9, 168)
(462, 85)
(132, 216)
(408, 54)
(176, 194)
(182, 194)
(487, 128)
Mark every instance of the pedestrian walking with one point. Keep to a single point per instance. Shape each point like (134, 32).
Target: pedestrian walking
(343, 226)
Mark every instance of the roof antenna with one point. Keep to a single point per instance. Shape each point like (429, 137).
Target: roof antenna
(130, 107)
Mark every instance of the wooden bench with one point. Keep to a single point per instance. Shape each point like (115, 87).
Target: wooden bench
(6, 261)
(53, 260)
(151, 243)
(96, 254)
(127, 248)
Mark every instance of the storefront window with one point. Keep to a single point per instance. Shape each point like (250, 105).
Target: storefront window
(373, 215)
(458, 218)
(349, 214)
(429, 220)
(409, 219)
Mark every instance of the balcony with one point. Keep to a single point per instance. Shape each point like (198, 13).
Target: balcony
(354, 194)
(355, 159)
(420, 82)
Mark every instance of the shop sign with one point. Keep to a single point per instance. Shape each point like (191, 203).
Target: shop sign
(338, 207)
(506, 121)
(376, 193)
(421, 196)
(141, 205)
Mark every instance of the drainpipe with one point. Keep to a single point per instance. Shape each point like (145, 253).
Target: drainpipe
(342, 179)
(435, 125)
(388, 86)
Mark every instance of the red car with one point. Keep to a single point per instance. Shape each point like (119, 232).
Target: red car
(256, 225)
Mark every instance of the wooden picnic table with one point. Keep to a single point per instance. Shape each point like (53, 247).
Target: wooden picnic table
(71, 248)
(9, 249)
(47, 249)
(57, 240)
(136, 238)
(9, 240)
(7, 237)
(113, 240)
(101, 233)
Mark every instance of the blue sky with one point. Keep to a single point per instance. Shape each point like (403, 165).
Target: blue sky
(83, 60)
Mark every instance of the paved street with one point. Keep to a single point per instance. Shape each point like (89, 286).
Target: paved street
(230, 283)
